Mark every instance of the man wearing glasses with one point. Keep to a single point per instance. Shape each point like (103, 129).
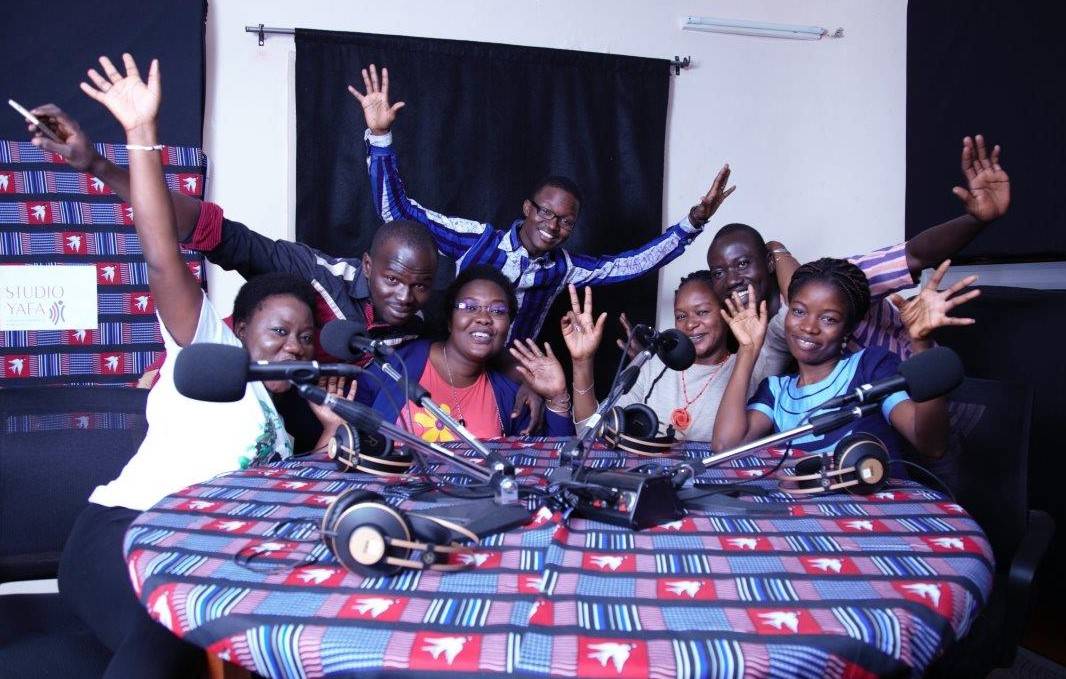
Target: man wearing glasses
(529, 253)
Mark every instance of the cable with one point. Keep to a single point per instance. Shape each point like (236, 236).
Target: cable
(622, 358)
(939, 481)
(653, 383)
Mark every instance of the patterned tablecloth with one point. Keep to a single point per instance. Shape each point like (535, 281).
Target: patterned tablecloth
(834, 586)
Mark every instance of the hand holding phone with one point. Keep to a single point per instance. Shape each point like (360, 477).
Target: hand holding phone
(34, 120)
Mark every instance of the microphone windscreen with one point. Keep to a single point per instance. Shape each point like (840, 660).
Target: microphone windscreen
(336, 338)
(643, 335)
(676, 349)
(212, 372)
(932, 373)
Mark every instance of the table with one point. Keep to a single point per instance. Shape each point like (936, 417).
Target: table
(834, 586)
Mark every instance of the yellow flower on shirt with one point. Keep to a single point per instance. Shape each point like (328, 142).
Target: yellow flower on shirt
(433, 430)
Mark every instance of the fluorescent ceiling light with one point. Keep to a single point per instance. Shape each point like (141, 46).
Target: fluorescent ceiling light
(758, 28)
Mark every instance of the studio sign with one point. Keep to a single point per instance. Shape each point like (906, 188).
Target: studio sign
(48, 297)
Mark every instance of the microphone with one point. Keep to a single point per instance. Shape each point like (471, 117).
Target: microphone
(220, 372)
(347, 340)
(924, 376)
(672, 346)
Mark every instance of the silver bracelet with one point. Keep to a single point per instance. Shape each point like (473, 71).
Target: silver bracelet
(585, 390)
(140, 147)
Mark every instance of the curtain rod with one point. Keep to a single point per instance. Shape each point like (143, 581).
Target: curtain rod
(262, 31)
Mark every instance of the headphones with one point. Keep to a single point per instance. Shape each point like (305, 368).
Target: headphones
(859, 465)
(372, 538)
(635, 429)
(372, 453)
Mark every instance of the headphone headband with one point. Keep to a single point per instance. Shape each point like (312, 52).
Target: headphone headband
(372, 538)
(630, 429)
(859, 464)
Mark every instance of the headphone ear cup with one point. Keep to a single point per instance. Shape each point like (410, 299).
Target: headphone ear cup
(640, 421)
(373, 443)
(363, 536)
(613, 425)
(869, 458)
(337, 507)
(809, 466)
(343, 448)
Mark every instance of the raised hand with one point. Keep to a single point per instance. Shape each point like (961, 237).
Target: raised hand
(540, 369)
(580, 332)
(746, 321)
(987, 192)
(379, 114)
(928, 310)
(713, 199)
(632, 348)
(76, 147)
(335, 386)
(133, 102)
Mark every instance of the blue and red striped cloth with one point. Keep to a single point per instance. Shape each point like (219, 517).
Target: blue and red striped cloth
(51, 214)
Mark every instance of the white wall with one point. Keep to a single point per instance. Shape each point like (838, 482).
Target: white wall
(814, 131)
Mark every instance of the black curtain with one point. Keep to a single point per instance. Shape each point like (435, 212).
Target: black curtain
(992, 67)
(48, 47)
(483, 122)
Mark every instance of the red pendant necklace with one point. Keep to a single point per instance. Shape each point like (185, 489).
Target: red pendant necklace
(680, 416)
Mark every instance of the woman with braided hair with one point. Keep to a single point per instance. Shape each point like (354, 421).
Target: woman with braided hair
(826, 300)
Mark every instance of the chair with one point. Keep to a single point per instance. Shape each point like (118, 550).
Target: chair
(990, 420)
(56, 445)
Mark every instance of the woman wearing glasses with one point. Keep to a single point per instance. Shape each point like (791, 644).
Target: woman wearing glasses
(457, 373)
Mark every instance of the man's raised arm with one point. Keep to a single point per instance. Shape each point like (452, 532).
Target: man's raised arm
(453, 235)
(77, 149)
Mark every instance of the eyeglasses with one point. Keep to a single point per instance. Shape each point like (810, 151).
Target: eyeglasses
(472, 307)
(546, 215)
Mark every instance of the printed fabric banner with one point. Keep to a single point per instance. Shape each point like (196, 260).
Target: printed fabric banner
(53, 215)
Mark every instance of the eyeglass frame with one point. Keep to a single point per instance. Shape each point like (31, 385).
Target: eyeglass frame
(462, 305)
(541, 210)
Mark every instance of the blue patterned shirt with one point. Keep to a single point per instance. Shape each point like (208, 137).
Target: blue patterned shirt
(537, 280)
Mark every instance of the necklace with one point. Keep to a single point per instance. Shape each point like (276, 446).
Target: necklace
(455, 394)
(451, 384)
(680, 416)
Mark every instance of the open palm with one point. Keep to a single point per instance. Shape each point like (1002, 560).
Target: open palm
(380, 115)
(131, 100)
(746, 321)
(928, 310)
(540, 369)
(987, 192)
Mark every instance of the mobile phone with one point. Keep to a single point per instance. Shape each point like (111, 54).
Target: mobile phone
(34, 120)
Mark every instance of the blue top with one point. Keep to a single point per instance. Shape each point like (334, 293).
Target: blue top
(537, 280)
(788, 405)
(376, 392)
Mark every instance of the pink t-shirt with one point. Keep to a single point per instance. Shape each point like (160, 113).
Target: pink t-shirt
(475, 406)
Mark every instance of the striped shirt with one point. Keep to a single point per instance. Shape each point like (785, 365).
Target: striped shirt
(537, 280)
(789, 405)
(886, 270)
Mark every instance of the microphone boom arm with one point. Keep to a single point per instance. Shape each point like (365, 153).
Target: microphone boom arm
(365, 418)
(503, 473)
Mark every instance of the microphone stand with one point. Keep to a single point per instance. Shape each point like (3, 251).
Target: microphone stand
(576, 449)
(364, 417)
(503, 472)
(818, 424)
